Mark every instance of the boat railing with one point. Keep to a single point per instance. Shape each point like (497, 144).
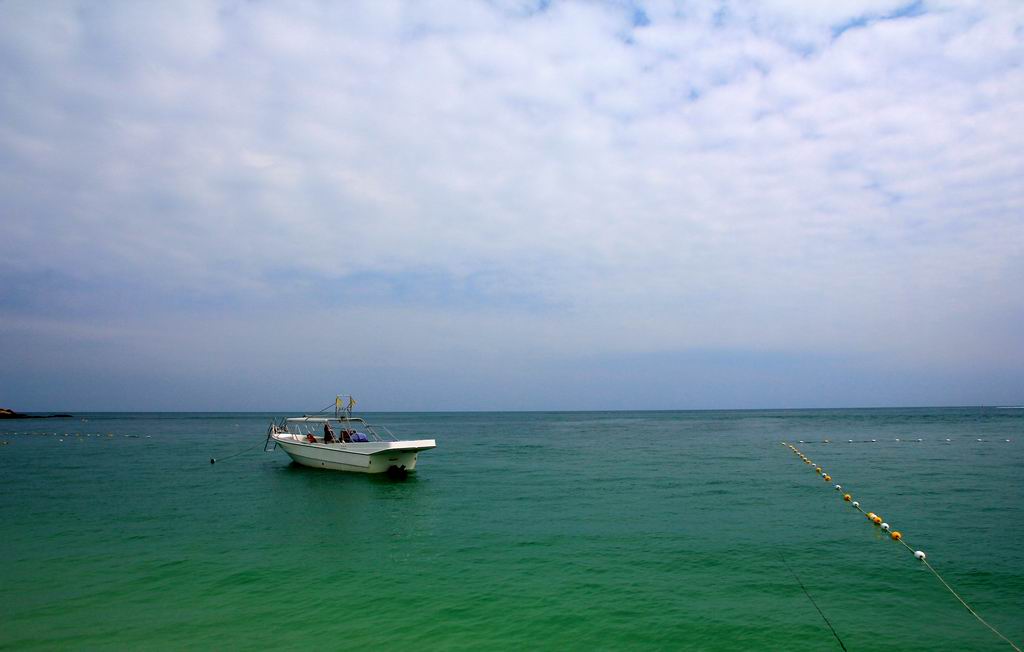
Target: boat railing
(390, 435)
(302, 428)
(273, 429)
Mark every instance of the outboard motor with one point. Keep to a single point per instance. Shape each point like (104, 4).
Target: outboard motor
(397, 472)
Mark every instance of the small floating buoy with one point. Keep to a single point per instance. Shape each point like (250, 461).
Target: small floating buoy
(818, 469)
(896, 536)
(920, 554)
(897, 439)
(856, 504)
(847, 497)
(870, 516)
(874, 440)
(828, 478)
(979, 440)
(827, 441)
(947, 439)
(919, 439)
(877, 520)
(212, 460)
(885, 527)
(850, 440)
(839, 487)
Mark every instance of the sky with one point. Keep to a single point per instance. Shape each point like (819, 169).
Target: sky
(511, 205)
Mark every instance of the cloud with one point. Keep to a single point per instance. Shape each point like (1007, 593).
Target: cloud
(540, 181)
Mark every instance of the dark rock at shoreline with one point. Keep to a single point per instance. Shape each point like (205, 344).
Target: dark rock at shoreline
(11, 414)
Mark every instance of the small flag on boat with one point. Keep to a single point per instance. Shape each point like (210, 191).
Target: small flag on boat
(337, 402)
(351, 402)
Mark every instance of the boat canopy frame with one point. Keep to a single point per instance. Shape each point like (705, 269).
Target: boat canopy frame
(312, 424)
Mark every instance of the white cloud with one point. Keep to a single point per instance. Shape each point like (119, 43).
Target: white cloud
(726, 176)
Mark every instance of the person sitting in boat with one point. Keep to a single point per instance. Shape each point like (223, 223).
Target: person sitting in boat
(310, 438)
(328, 433)
(346, 436)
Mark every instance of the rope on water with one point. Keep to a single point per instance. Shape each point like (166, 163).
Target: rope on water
(214, 460)
(808, 594)
(898, 537)
(966, 606)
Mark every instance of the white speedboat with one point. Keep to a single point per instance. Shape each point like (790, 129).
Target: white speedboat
(343, 442)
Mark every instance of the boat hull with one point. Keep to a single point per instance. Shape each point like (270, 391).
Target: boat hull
(371, 457)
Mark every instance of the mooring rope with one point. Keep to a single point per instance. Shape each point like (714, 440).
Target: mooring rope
(214, 460)
(808, 594)
(898, 537)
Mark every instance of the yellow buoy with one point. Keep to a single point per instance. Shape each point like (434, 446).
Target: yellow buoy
(877, 520)
(871, 516)
(846, 497)
(896, 536)
(817, 469)
(828, 478)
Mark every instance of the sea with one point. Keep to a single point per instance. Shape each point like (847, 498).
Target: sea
(695, 530)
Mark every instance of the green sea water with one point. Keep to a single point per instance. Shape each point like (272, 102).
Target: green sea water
(558, 531)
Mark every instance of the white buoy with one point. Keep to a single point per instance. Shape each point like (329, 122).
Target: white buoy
(947, 439)
(897, 439)
(850, 440)
(885, 526)
(874, 440)
(920, 555)
(919, 439)
(979, 440)
(839, 487)
(856, 504)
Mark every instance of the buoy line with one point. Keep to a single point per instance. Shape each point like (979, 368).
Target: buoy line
(897, 440)
(897, 536)
(967, 606)
(808, 594)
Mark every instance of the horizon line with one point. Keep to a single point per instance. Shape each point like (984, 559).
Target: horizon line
(513, 411)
